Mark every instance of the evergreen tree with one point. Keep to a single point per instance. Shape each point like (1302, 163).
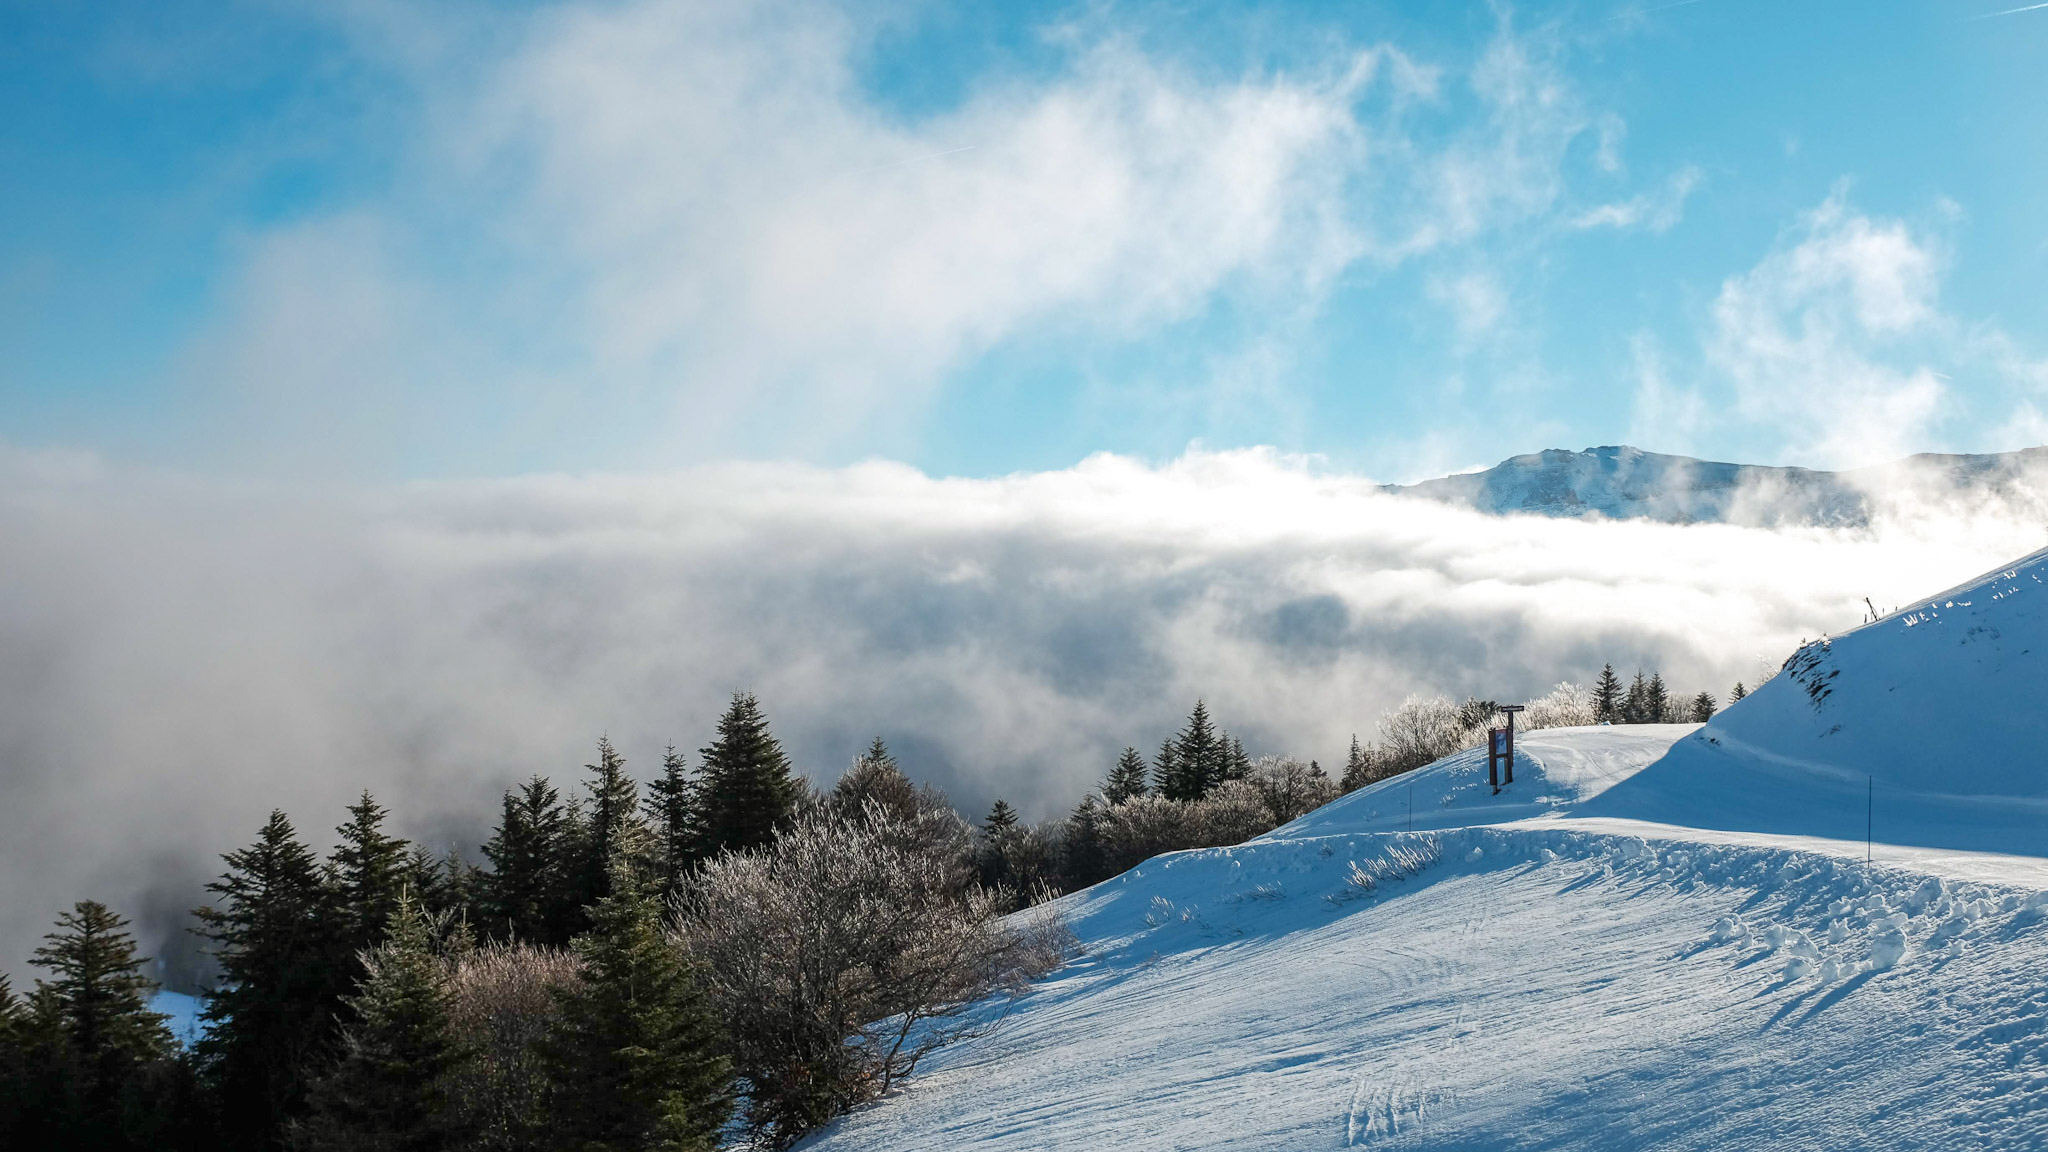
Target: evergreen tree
(101, 997)
(1358, 767)
(1607, 696)
(1236, 765)
(633, 1053)
(368, 873)
(1656, 702)
(1703, 708)
(1737, 693)
(92, 1066)
(1126, 779)
(275, 937)
(441, 884)
(1201, 758)
(875, 778)
(388, 1090)
(1166, 767)
(1635, 705)
(526, 894)
(1002, 820)
(747, 794)
(671, 810)
(1082, 859)
(614, 831)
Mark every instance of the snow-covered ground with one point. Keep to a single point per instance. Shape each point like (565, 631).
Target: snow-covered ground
(1658, 937)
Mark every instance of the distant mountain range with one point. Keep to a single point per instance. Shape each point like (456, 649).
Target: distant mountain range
(1622, 483)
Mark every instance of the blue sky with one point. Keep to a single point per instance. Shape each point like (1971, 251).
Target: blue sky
(434, 240)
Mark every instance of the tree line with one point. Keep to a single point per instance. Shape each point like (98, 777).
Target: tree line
(732, 955)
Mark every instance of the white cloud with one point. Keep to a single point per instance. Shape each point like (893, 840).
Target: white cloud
(184, 655)
(1657, 212)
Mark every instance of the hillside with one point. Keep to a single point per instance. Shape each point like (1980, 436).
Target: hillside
(1659, 937)
(1620, 482)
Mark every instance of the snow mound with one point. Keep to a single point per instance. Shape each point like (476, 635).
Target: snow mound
(1922, 728)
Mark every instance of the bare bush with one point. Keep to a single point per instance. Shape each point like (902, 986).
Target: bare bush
(1394, 861)
(840, 956)
(502, 1004)
(1235, 811)
(1291, 788)
(1143, 827)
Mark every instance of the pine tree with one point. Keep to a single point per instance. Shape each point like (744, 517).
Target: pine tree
(388, 1089)
(614, 831)
(1607, 696)
(525, 895)
(1002, 820)
(1126, 779)
(368, 873)
(875, 778)
(101, 995)
(1656, 702)
(1166, 767)
(1236, 765)
(440, 884)
(746, 793)
(275, 935)
(1635, 706)
(1201, 759)
(634, 1050)
(96, 1069)
(1737, 693)
(671, 811)
(1358, 767)
(1703, 707)
(1082, 859)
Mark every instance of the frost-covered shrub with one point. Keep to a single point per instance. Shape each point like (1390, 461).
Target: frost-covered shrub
(1565, 706)
(1235, 811)
(502, 1003)
(1426, 728)
(1291, 788)
(1143, 827)
(842, 954)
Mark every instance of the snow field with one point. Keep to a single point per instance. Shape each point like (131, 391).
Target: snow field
(1510, 987)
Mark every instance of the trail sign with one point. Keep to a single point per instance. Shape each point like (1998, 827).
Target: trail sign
(1500, 751)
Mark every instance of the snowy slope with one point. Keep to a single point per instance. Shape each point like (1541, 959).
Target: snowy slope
(1657, 938)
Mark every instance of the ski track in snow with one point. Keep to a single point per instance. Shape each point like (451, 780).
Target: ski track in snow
(1660, 937)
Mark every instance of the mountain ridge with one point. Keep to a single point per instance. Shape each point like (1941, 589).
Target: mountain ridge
(1622, 482)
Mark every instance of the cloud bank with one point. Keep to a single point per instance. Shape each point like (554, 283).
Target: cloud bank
(182, 655)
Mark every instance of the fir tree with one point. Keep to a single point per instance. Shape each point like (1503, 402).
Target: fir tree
(633, 1053)
(1002, 820)
(875, 778)
(1656, 702)
(1201, 758)
(274, 934)
(525, 895)
(614, 830)
(671, 810)
(1082, 859)
(101, 996)
(1236, 765)
(746, 793)
(1358, 767)
(1607, 696)
(1737, 693)
(1703, 708)
(441, 884)
(1166, 767)
(1635, 706)
(389, 1087)
(1127, 779)
(368, 873)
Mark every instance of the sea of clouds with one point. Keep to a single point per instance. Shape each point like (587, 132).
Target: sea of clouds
(179, 656)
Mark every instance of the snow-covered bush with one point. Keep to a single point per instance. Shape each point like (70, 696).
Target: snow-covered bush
(1565, 706)
(842, 954)
(1426, 728)
(1234, 812)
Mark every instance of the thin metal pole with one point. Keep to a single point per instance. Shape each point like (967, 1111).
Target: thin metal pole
(1869, 813)
(1411, 805)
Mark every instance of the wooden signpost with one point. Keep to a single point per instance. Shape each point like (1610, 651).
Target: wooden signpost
(1500, 751)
